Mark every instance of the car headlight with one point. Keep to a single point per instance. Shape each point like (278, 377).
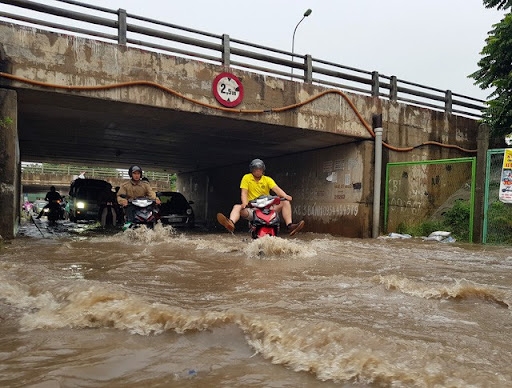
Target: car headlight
(189, 211)
(80, 205)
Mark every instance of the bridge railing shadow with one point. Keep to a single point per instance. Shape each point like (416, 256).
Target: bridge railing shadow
(134, 30)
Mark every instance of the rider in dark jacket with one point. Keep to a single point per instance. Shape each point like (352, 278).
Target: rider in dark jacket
(135, 187)
(51, 196)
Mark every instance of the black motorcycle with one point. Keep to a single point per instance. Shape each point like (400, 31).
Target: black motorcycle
(54, 212)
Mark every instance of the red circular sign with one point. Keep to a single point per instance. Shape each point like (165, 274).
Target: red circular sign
(228, 90)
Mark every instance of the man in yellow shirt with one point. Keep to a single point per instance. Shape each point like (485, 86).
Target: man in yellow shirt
(253, 185)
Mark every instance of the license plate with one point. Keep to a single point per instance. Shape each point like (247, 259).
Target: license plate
(175, 219)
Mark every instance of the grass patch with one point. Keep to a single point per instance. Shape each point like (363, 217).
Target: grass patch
(455, 220)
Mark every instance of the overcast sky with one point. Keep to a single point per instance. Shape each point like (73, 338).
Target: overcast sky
(430, 42)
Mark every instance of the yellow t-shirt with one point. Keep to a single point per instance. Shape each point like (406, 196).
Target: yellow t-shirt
(256, 188)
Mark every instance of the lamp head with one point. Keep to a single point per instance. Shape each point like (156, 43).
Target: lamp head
(308, 12)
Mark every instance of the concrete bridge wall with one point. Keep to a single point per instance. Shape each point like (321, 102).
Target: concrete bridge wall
(58, 59)
(299, 163)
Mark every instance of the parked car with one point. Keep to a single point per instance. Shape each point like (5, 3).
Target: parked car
(84, 198)
(175, 210)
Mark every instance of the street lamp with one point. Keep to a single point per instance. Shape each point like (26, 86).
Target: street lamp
(306, 14)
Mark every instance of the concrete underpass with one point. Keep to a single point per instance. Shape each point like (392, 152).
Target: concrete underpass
(69, 105)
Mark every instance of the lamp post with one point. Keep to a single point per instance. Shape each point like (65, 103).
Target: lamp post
(306, 14)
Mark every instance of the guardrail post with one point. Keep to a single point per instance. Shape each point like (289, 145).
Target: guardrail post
(375, 84)
(393, 89)
(308, 69)
(121, 26)
(448, 102)
(226, 50)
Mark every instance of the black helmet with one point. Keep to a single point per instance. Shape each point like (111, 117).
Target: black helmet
(256, 163)
(134, 168)
(52, 188)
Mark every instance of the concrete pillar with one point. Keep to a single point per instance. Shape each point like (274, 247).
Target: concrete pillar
(10, 165)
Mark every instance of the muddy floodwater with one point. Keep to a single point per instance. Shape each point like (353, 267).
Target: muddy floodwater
(167, 308)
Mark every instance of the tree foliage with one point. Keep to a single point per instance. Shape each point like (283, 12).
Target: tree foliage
(496, 72)
(498, 4)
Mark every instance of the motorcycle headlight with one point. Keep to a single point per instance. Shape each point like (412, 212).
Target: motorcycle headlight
(189, 211)
(80, 205)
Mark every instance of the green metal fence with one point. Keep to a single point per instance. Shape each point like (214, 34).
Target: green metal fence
(497, 225)
(425, 196)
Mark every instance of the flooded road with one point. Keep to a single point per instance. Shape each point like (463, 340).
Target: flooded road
(164, 308)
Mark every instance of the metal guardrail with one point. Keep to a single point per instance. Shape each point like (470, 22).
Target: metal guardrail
(91, 172)
(135, 30)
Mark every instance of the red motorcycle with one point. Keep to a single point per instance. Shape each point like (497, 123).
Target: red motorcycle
(265, 220)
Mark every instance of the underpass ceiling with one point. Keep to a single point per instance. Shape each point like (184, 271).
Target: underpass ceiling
(63, 128)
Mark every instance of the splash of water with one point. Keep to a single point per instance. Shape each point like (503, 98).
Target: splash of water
(269, 248)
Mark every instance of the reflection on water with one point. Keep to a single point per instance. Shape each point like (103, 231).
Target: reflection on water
(166, 308)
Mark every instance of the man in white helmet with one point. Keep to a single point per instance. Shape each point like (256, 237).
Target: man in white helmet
(254, 184)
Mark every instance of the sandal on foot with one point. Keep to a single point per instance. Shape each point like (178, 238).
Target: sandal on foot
(295, 228)
(225, 222)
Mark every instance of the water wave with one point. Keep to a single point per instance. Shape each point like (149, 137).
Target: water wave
(459, 290)
(97, 306)
(347, 354)
(330, 351)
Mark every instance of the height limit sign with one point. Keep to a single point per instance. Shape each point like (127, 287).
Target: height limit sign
(228, 90)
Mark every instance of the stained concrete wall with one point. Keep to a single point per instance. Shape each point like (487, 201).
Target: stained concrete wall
(61, 59)
(10, 165)
(408, 126)
(418, 193)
